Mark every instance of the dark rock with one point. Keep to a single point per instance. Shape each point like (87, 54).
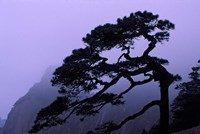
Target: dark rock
(2, 122)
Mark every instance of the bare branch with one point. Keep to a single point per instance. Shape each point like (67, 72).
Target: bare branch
(152, 44)
(132, 117)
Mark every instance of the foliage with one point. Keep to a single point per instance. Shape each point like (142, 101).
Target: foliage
(195, 74)
(86, 75)
(185, 111)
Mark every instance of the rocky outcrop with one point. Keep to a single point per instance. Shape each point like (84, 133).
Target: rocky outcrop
(194, 130)
(2, 122)
(1, 131)
(22, 115)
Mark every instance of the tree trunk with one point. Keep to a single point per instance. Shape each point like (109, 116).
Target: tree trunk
(165, 79)
(164, 110)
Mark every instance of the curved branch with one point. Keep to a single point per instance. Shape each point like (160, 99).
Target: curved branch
(132, 117)
(126, 55)
(108, 85)
(120, 58)
(144, 81)
(140, 71)
(118, 96)
(133, 84)
(152, 44)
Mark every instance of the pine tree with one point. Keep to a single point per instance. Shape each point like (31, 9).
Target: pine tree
(185, 107)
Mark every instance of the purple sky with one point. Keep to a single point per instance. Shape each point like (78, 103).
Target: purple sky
(35, 34)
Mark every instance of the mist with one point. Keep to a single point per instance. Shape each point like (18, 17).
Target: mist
(35, 34)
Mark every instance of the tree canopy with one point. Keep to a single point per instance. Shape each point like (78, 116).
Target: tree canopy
(87, 70)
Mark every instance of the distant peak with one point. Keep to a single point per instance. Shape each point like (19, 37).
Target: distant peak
(48, 72)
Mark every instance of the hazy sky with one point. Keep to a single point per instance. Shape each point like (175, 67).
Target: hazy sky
(35, 34)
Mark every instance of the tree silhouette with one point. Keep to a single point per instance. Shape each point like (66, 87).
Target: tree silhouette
(185, 111)
(87, 70)
(194, 75)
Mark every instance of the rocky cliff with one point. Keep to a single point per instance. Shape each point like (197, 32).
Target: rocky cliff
(22, 115)
(2, 122)
(1, 131)
(194, 130)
